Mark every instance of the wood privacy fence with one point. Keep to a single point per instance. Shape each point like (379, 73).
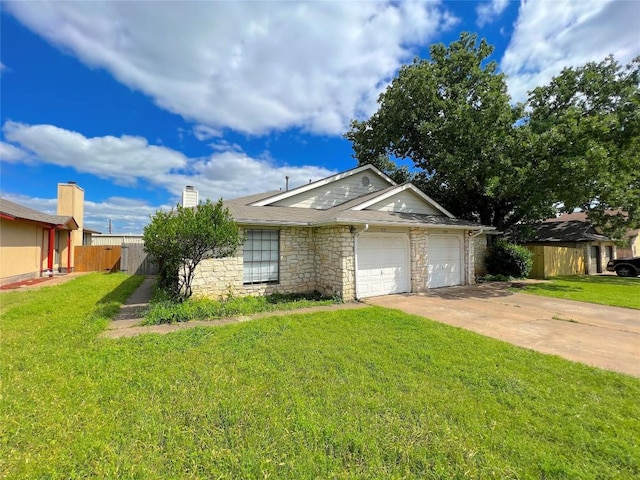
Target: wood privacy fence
(136, 261)
(129, 257)
(549, 261)
(97, 259)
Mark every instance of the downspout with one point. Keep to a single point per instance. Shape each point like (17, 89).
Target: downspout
(52, 233)
(355, 259)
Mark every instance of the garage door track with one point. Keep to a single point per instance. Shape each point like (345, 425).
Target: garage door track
(598, 335)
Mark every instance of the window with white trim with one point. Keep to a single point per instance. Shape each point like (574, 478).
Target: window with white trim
(261, 256)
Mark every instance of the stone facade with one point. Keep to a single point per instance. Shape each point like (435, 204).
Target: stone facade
(479, 254)
(335, 261)
(323, 259)
(311, 259)
(419, 270)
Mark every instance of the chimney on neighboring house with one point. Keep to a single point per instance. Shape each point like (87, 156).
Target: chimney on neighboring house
(189, 197)
(71, 204)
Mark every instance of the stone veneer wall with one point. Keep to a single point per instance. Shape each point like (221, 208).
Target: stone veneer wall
(335, 261)
(479, 253)
(217, 277)
(419, 271)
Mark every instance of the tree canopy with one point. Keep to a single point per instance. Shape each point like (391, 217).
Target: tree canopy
(180, 239)
(574, 144)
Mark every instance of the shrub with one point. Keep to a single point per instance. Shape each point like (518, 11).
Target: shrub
(509, 260)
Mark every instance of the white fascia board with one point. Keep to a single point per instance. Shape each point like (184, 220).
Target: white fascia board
(402, 188)
(272, 223)
(359, 221)
(321, 183)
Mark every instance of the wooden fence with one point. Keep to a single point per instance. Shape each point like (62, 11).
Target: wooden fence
(136, 261)
(97, 259)
(549, 261)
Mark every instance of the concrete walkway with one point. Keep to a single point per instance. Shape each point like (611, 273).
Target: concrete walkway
(127, 322)
(598, 335)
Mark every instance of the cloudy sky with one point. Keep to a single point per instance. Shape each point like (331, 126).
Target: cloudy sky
(135, 100)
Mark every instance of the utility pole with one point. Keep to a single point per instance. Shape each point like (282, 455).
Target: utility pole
(109, 225)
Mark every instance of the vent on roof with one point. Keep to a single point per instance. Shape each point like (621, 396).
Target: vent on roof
(189, 196)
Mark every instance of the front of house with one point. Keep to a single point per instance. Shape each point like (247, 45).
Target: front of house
(355, 234)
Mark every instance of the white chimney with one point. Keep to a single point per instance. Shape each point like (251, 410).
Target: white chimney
(189, 197)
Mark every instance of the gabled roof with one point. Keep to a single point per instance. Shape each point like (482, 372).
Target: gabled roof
(14, 211)
(390, 192)
(320, 183)
(573, 227)
(258, 210)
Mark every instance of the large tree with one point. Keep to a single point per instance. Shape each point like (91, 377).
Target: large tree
(586, 123)
(476, 153)
(180, 239)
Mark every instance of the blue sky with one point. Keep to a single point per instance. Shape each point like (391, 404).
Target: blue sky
(135, 100)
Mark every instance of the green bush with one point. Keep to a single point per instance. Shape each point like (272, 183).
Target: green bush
(510, 260)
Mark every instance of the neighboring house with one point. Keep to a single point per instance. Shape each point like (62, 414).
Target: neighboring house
(567, 245)
(355, 234)
(633, 247)
(33, 243)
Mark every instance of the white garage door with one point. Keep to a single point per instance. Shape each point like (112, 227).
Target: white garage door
(444, 256)
(383, 265)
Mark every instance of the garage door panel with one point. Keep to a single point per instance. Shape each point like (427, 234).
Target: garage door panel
(444, 261)
(382, 265)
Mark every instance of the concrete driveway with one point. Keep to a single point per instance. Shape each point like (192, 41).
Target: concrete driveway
(598, 335)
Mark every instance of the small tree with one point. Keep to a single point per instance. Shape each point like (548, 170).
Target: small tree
(180, 239)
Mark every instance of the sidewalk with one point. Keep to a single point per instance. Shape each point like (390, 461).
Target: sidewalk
(133, 308)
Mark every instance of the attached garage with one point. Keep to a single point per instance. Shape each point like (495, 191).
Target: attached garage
(382, 264)
(444, 260)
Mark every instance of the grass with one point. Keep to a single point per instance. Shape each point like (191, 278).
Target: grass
(366, 393)
(168, 311)
(604, 290)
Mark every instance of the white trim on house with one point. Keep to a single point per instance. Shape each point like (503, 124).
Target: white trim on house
(399, 189)
(321, 183)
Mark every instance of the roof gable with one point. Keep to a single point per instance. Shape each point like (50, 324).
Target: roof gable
(331, 191)
(15, 211)
(406, 198)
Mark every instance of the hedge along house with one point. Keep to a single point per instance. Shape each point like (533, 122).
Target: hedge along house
(34, 243)
(354, 234)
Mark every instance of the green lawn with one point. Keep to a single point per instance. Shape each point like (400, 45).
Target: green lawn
(609, 290)
(366, 393)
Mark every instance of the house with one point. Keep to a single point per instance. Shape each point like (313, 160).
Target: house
(567, 245)
(354, 234)
(33, 243)
(633, 247)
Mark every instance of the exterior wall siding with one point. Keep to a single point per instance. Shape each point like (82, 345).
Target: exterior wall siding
(336, 192)
(21, 257)
(335, 261)
(404, 202)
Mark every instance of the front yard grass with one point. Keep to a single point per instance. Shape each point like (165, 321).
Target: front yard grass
(366, 393)
(605, 290)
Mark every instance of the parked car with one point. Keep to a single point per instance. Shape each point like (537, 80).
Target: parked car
(625, 267)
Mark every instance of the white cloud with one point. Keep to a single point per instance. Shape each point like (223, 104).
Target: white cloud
(124, 159)
(204, 132)
(490, 11)
(549, 36)
(247, 66)
(227, 173)
(10, 153)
